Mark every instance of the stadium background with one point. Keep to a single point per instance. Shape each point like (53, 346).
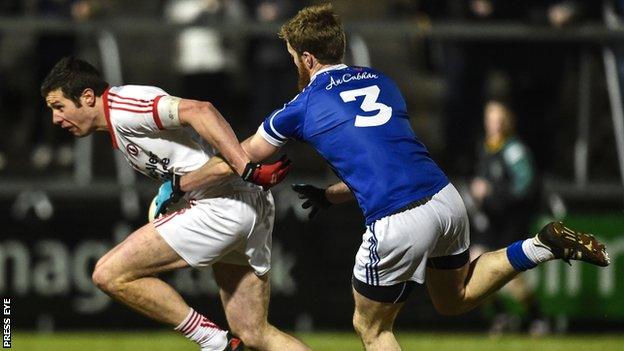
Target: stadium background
(63, 203)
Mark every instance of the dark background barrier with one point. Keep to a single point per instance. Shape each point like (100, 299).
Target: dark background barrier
(45, 268)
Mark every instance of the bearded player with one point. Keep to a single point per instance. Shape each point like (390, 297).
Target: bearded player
(416, 223)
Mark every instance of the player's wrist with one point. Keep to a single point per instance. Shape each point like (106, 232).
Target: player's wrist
(241, 167)
(248, 172)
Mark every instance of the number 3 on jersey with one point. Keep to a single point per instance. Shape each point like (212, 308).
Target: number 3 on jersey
(369, 104)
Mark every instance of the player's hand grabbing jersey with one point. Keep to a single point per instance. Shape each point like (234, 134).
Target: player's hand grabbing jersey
(143, 124)
(356, 118)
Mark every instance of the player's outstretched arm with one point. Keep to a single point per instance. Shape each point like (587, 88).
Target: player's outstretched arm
(257, 148)
(210, 125)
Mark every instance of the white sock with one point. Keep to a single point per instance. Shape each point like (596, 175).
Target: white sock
(536, 252)
(204, 332)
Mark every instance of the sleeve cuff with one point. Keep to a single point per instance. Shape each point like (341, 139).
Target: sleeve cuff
(166, 112)
(270, 139)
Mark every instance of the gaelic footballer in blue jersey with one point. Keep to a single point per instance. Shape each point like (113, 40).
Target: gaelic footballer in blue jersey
(356, 118)
(417, 226)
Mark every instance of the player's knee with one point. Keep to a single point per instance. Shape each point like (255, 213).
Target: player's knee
(100, 278)
(450, 302)
(104, 279)
(447, 310)
(366, 328)
(360, 329)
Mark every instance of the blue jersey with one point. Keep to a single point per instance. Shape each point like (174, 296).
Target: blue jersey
(356, 118)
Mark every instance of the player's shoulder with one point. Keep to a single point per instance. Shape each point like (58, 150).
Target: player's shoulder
(125, 102)
(300, 100)
(138, 92)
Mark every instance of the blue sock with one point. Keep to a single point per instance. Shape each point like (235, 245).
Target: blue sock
(518, 259)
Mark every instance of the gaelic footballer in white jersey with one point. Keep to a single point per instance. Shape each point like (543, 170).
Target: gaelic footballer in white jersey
(226, 225)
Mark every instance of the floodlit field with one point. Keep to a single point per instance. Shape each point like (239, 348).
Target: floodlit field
(166, 341)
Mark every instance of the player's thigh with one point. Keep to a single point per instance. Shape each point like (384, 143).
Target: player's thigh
(449, 261)
(245, 296)
(446, 287)
(373, 316)
(142, 253)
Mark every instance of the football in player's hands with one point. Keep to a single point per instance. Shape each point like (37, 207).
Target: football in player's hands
(172, 207)
(151, 212)
(167, 199)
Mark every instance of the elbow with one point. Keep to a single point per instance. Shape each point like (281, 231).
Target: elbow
(203, 108)
(197, 111)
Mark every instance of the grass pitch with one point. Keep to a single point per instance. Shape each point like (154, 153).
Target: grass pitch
(167, 341)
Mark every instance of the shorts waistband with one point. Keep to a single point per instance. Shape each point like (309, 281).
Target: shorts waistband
(412, 205)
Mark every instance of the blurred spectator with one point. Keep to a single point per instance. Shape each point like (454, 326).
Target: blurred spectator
(534, 71)
(270, 69)
(204, 59)
(506, 191)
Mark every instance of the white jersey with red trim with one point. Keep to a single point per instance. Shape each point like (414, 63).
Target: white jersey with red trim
(143, 124)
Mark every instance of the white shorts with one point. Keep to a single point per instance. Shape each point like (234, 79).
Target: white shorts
(233, 229)
(395, 248)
